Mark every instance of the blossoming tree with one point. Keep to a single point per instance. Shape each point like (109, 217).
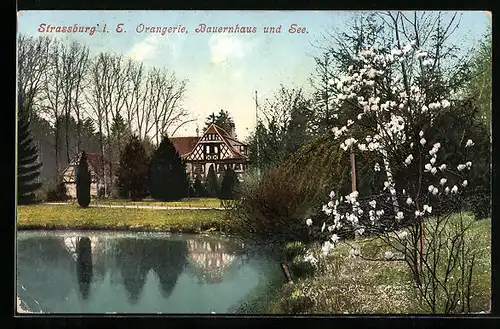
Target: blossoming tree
(395, 99)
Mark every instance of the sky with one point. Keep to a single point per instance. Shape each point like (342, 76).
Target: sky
(223, 69)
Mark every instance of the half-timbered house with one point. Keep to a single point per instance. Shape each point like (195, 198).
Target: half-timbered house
(216, 148)
(100, 179)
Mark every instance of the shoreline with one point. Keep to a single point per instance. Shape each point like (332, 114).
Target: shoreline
(121, 228)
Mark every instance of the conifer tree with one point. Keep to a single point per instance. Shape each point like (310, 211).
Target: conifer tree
(169, 180)
(211, 184)
(199, 188)
(133, 173)
(229, 185)
(28, 166)
(83, 182)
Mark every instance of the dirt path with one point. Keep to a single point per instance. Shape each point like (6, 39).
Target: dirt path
(140, 206)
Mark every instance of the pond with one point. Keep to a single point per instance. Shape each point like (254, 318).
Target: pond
(132, 272)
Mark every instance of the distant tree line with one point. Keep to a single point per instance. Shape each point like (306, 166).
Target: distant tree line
(73, 101)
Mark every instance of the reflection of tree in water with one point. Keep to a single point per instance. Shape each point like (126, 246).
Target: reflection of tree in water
(210, 260)
(168, 258)
(136, 257)
(84, 265)
(130, 260)
(44, 270)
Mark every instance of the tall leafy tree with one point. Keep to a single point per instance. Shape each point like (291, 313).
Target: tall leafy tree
(169, 179)
(133, 172)
(28, 166)
(211, 184)
(223, 119)
(83, 182)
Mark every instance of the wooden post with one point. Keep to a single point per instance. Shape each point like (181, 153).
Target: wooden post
(286, 272)
(421, 244)
(353, 171)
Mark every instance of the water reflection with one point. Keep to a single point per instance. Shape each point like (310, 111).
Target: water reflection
(84, 265)
(136, 258)
(103, 272)
(209, 260)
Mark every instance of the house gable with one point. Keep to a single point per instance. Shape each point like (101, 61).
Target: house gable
(215, 144)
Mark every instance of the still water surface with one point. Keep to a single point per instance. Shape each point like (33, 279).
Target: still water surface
(98, 272)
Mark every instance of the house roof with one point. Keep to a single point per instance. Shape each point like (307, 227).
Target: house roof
(95, 160)
(184, 145)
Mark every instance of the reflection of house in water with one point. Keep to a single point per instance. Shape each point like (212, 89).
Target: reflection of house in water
(209, 260)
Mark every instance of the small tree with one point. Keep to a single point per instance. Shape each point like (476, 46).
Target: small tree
(133, 172)
(169, 179)
(229, 185)
(28, 167)
(211, 184)
(83, 182)
(199, 188)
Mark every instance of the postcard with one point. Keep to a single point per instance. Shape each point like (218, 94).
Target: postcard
(253, 162)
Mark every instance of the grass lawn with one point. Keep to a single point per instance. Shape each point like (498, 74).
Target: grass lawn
(73, 217)
(187, 202)
(357, 285)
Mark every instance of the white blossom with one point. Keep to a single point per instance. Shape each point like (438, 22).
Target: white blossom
(360, 231)
(399, 215)
(332, 194)
(443, 181)
(435, 191)
(454, 189)
(373, 203)
(427, 208)
(447, 190)
(427, 167)
(430, 188)
(335, 238)
(323, 227)
(432, 161)
(442, 167)
(420, 54)
(434, 170)
(445, 103)
(461, 167)
(464, 183)
(427, 62)
(402, 235)
(469, 143)
(409, 201)
(353, 253)
(362, 147)
(311, 259)
(327, 246)
(421, 133)
(377, 167)
(408, 159)
(468, 164)
(422, 141)
(309, 222)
